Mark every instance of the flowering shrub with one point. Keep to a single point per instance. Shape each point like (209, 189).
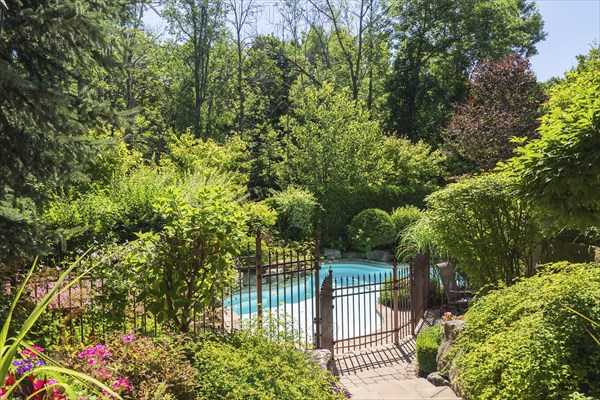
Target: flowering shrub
(448, 316)
(23, 376)
(23, 369)
(33, 384)
(135, 367)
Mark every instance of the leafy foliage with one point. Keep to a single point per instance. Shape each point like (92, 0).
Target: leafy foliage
(47, 53)
(247, 365)
(437, 43)
(479, 222)
(371, 228)
(120, 202)
(329, 139)
(427, 345)
(522, 341)
(559, 173)
(296, 209)
(503, 101)
(150, 366)
(405, 216)
(13, 347)
(188, 263)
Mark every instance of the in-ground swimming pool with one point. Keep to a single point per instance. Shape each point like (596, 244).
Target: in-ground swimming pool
(302, 288)
(293, 298)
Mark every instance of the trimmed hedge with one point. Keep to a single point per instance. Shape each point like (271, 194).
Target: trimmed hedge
(427, 344)
(370, 229)
(341, 203)
(526, 342)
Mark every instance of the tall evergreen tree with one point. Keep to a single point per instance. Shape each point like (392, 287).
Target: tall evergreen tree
(48, 53)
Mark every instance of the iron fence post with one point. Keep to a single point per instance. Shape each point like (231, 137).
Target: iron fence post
(413, 296)
(317, 297)
(396, 306)
(258, 276)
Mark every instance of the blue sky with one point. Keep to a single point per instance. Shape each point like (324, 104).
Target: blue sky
(572, 26)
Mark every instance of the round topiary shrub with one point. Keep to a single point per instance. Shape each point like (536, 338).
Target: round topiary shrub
(371, 228)
(535, 339)
(404, 216)
(427, 345)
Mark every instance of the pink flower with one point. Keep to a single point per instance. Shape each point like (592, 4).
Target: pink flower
(103, 374)
(128, 338)
(122, 383)
(448, 316)
(38, 384)
(28, 352)
(96, 354)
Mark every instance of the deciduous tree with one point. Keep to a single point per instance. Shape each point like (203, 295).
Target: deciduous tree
(559, 173)
(503, 103)
(437, 43)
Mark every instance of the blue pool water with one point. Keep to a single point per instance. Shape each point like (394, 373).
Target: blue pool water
(301, 288)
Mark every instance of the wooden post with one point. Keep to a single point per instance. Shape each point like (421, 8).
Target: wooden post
(259, 274)
(326, 305)
(396, 306)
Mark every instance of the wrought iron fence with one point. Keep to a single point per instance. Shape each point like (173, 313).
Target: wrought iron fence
(271, 286)
(318, 310)
(365, 310)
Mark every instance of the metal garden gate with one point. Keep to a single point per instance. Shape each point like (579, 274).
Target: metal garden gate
(373, 310)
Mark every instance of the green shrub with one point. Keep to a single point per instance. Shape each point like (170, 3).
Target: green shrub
(404, 216)
(370, 229)
(295, 209)
(427, 345)
(341, 203)
(479, 222)
(247, 365)
(523, 342)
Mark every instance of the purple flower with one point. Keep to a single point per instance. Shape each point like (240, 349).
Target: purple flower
(25, 365)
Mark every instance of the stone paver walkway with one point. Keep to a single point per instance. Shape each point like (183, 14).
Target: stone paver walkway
(386, 372)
